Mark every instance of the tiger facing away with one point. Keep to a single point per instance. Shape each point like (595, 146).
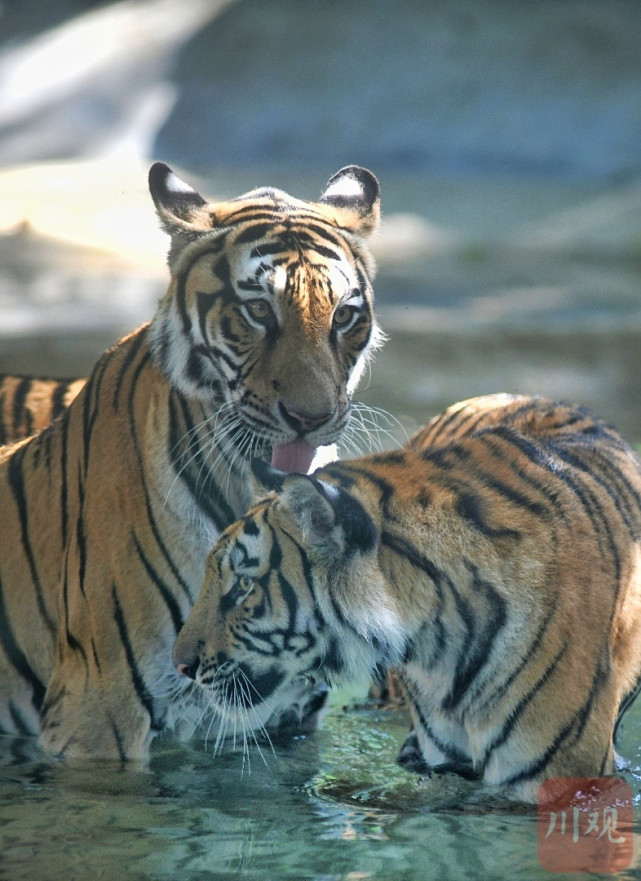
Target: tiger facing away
(494, 562)
(109, 512)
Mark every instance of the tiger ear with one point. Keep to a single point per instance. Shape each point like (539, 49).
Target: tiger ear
(333, 525)
(355, 197)
(330, 520)
(180, 208)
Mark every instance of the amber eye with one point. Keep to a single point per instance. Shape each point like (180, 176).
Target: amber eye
(343, 316)
(246, 583)
(259, 310)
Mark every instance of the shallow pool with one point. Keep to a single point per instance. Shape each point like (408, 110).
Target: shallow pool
(329, 806)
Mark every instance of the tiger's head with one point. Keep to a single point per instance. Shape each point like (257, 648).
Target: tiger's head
(269, 313)
(293, 595)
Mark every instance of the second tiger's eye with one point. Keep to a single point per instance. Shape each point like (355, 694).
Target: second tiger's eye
(246, 582)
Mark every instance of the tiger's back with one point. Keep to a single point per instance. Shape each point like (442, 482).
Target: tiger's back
(494, 563)
(28, 403)
(564, 488)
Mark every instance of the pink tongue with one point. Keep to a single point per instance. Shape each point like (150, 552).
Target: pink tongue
(295, 457)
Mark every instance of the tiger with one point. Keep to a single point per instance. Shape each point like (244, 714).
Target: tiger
(109, 511)
(28, 403)
(493, 562)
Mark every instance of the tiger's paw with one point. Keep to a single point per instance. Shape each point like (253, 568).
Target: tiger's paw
(303, 716)
(411, 758)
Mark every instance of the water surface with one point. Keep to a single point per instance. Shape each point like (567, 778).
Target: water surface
(330, 806)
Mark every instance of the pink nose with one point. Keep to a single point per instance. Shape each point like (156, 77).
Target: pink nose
(188, 670)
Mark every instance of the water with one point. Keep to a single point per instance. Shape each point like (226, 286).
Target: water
(332, 806)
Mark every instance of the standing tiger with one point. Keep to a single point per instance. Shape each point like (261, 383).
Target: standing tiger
(109, 512)
(494, 562)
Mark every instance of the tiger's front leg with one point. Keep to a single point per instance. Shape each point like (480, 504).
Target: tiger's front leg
(82, 717)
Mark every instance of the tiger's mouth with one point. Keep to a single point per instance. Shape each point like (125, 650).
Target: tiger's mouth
(294, 457)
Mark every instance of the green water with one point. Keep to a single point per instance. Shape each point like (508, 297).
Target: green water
(329, 806)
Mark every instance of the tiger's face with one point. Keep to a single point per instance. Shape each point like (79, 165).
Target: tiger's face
(254, 640)
(269, 316)
(283, 604)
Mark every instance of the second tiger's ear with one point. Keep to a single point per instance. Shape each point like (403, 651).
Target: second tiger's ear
(354, 197)
(333, 525)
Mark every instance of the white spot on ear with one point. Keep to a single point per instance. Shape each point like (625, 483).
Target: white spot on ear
(346, 187)
(175, 185)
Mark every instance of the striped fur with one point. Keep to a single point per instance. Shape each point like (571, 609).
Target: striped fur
(494, 562)
(109, 512)
(28, 404)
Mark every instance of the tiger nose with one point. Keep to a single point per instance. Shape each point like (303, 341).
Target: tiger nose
(185, 655)
(303, 422)
(188, 670)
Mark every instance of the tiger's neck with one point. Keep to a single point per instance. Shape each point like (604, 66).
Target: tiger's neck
(193, 448)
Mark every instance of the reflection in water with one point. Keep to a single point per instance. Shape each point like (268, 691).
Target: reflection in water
(330, 806)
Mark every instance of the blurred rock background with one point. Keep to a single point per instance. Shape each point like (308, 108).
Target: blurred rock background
(506, 136)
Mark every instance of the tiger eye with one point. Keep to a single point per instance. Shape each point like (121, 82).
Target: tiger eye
(259, 310)
(343, 316)
(246, 583)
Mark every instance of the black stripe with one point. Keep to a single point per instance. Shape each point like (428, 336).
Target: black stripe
(476, 649)
(92, 402)
(197, 475)
(346, 475)
(450, 422)
(120, 746)
(534, 769)
(15, 479)
(165, 591)
(519, 708)
(453, 753)
(262, 684)
(144, 696)
(18, 658)
(406, 550)
(472, 508)
(20, 413)
(257, 229)
(149, 511)
(500, 690)
(134, 345)
(73, 643)
(58, 405)
(64, 489)
(606, 482)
